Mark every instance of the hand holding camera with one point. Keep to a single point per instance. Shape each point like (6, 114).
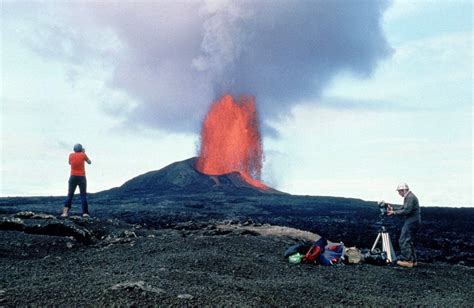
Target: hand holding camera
(383, 207)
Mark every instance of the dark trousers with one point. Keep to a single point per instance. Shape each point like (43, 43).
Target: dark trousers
(75, 181)
(407, 240)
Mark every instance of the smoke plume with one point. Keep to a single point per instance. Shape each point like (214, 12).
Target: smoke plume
(177, 57)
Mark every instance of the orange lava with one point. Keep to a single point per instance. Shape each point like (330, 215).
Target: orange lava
(231, 141)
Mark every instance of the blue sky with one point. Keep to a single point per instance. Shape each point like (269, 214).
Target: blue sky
(357, 129)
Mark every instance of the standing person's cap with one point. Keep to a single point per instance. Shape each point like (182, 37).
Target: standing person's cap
(77, 148)
(402, 186)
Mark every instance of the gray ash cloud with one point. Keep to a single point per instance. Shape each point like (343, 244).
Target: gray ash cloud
(176, 57)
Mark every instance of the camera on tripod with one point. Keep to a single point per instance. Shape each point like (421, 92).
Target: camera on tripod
(387, 254)
(383, 207)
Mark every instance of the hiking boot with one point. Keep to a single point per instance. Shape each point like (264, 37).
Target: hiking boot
(65, 212)
(85, 215)
(405, 263)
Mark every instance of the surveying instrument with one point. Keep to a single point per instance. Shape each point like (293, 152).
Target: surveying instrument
(383, 236)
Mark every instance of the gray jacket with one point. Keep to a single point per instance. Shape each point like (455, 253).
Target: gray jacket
(410, 208)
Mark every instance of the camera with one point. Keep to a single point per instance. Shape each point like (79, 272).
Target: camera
(374, 257)
(383, 207)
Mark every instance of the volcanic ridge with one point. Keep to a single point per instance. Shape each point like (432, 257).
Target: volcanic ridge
(183, 178)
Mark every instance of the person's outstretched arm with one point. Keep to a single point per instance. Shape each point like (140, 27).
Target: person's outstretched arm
(87, 158)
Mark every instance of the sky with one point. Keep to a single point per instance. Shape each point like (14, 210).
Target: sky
(354, 97)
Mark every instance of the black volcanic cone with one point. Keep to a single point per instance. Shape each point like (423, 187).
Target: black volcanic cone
(182, 178)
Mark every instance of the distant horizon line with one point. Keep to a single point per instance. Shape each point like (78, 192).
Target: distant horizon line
(294, 195)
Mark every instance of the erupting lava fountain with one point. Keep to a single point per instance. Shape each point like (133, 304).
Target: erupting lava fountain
(231, 141)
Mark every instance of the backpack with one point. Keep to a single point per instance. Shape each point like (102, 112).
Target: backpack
(333, 254)
(315, 251)
(312, 255)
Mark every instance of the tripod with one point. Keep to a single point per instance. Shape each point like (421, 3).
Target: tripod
(387, 247)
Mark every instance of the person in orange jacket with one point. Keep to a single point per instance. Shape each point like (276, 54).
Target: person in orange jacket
(77, 178)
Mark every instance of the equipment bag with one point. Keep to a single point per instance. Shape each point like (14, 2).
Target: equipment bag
(322, 242)
(375, 257)
(295, 258)
(333, 254)
(353, 255)
(312, 255)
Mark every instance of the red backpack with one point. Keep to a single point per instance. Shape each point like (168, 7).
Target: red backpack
(312, 255)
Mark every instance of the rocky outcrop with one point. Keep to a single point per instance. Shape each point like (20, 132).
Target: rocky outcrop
(84, 230)
(139, 286)
(37, 224)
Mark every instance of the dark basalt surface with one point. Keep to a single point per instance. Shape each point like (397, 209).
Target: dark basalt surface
(197, 264)
(153, 241)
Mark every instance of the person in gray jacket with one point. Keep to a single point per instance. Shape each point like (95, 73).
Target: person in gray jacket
(411, 212)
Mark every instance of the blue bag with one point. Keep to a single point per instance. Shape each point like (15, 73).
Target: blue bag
(333, 254)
